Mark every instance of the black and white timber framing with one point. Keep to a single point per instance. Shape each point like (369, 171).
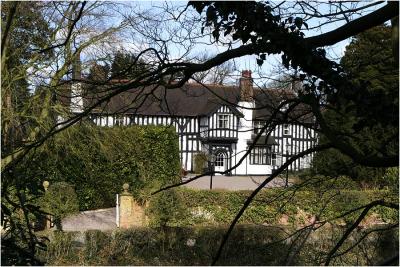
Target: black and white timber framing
(220, 129)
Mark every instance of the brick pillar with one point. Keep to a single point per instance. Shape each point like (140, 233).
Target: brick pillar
(130, 212)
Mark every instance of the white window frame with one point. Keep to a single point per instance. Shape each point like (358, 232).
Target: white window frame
(260, 155)
(286, 129)
(219, 160)
(257, 125)
(273, 159)
(223, 121)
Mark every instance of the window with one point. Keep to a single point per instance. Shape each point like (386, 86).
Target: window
(119, 121)
(257, 125)
(219, 160)
(286, 129)
(223, 121)
(274, 159)
(260, 155)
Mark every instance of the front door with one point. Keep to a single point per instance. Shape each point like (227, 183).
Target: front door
(220, 162)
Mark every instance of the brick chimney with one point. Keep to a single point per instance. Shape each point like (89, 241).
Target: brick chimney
(76, 87)
(246, 86)
(77, 67)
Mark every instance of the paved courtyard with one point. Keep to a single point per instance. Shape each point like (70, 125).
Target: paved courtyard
(232, 182)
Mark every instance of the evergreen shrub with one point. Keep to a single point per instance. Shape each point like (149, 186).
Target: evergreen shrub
(60, 200)
(166, 209)
(220, 207)
(200, 162)
(97, 161)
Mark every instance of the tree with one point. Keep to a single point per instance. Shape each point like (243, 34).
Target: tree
(217, 75)
(98, 72)
(17, 52)
(371, 66)
(268, 34)
(124, 66)
(39, 43)
(243, 28)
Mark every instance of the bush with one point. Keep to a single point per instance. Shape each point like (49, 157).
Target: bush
(60, 200)
(333, 163)
(166, 209)
(391, 178)
(247, 245)
(220, 207)
(99, 160)
(200, 162)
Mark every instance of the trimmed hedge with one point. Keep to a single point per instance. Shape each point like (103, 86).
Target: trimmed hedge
(98, 160)
(270, 206)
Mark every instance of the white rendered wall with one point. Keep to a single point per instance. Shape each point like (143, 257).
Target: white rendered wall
(76, 98)
(245, 131)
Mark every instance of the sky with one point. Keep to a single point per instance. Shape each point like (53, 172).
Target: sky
(158, 23)
(272, 65)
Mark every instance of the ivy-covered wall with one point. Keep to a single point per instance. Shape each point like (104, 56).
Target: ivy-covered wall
(98, 160)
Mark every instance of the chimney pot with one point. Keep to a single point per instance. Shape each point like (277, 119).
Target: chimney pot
(246, 73)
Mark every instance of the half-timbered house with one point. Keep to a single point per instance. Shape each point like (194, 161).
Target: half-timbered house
(222, 121)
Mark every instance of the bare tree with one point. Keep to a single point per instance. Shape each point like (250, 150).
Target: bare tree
(164, 39)
(221, 74)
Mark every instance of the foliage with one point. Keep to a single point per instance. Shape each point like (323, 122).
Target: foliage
(371, 110)
(369, 61)
(98, 161)
(200, 161)
(26, 36)
(248, 245)
(356, 129)
(325, 197)
(98, 72)
(166, 209)
(60, 200)
(125, 66)
(391, 178)
(332, 163)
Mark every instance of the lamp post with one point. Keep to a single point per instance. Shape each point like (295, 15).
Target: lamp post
(211, 166)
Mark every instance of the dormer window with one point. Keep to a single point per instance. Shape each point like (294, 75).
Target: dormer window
(223, 121)
(286, 129)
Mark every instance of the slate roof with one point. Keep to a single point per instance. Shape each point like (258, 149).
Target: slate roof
(189, 100)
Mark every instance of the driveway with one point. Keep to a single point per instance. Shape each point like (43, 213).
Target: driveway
(233, 182)
(103, 219)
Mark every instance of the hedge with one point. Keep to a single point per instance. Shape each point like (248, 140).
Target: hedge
(98, 160)
(216, 207)
(247, 245)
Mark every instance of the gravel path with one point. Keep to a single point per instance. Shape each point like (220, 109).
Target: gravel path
(233, 182)
(103, 219)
